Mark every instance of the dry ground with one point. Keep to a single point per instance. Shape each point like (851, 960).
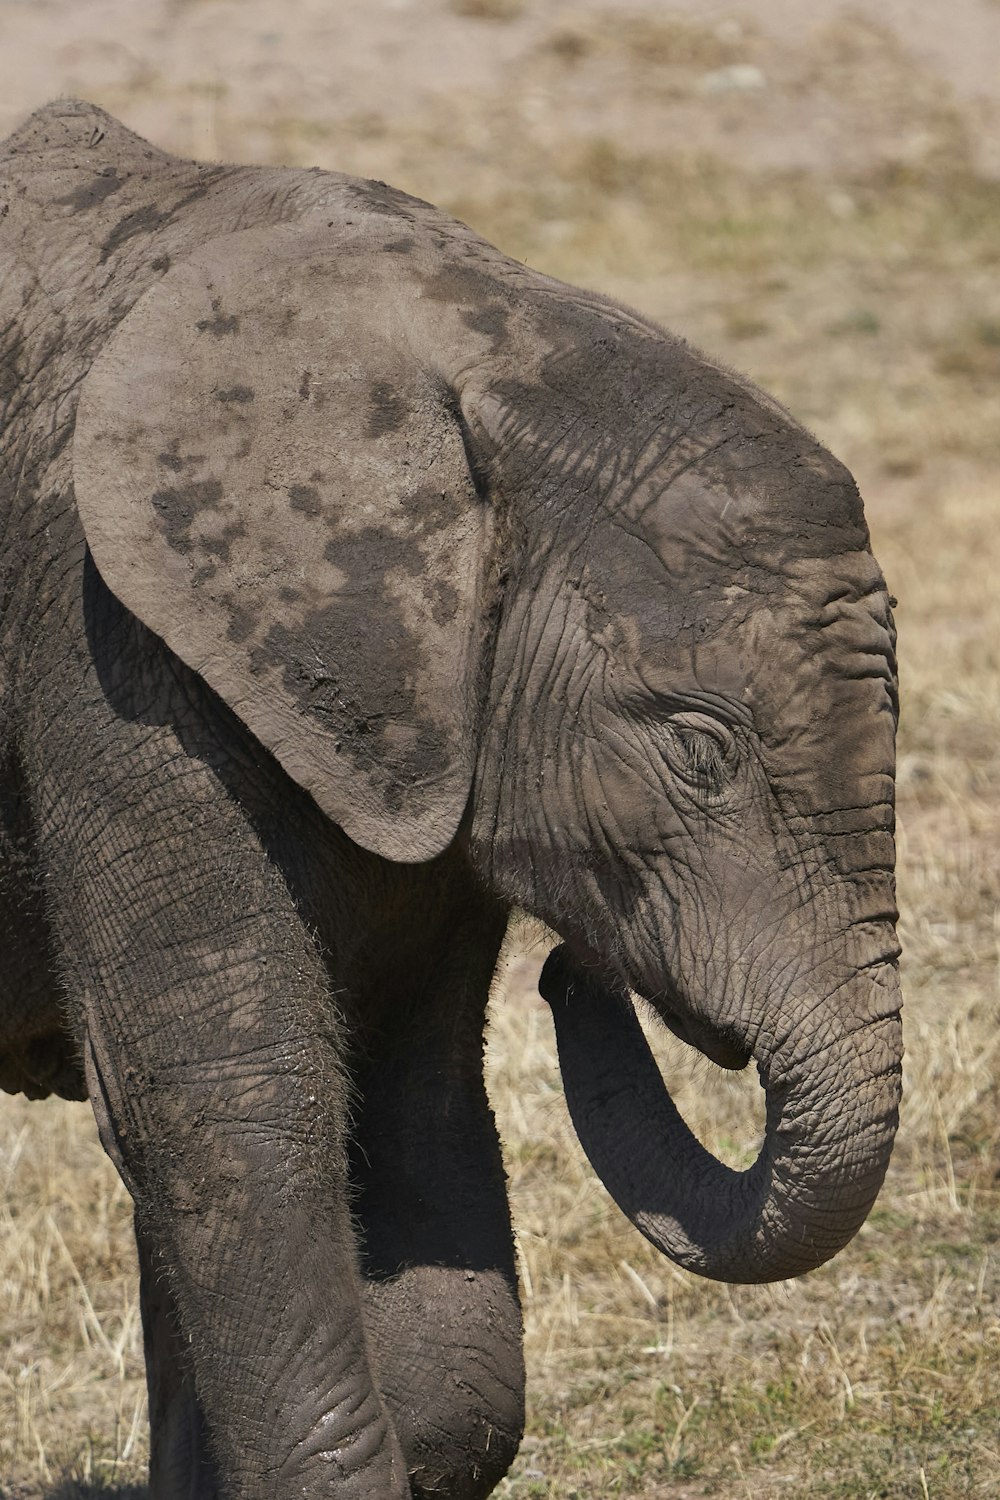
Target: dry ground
(812, 195)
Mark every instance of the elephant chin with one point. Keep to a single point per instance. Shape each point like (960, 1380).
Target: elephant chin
(718, 1049)
(831, 1120)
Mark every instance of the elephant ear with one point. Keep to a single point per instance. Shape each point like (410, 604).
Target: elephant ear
(269, 480)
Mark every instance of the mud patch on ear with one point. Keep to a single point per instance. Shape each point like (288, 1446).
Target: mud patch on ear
(428, 508)
(387, 410)
(140, 221)
(362, 685)
(478, 297)
(305, 498)
(178, 508)
(446, 601)
(242, 622)
(367, 557)
(379, 198)
(153, 216)
(171, 458)
(220, 324)
(491, 320)
(91, 194)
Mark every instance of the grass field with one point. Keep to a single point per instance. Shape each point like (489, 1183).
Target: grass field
(869, 301)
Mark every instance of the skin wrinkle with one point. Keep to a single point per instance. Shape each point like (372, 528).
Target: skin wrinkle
(783, 975)
(551, 459)
(661, 446)
(769, 932)
(781, 1041)
(559, 664)
(846, 1033)
(348, 1410)
(522, 648)
(820, 864)
(695, 460)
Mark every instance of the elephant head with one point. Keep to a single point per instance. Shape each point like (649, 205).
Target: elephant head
(688, 772)
(477, 556)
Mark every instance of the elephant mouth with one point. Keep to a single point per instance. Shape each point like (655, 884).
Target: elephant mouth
(725, 1052)
(721, 1046)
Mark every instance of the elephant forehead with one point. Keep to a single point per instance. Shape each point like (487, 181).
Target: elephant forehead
(823, 685)
(781, 639)
(757, 504)
(707, 534)
(662, 632)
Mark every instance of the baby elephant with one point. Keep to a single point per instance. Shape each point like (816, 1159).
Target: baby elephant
(358, 585)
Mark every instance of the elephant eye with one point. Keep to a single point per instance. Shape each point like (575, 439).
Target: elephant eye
(701, 751)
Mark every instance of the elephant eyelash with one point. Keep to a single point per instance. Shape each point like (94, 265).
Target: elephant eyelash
(704, 754)
(704, 766)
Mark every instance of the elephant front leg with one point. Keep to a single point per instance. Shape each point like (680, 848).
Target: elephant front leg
(214, 1069)
(441, 1301)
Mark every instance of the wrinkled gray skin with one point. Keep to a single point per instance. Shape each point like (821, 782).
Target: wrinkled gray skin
(359, 584)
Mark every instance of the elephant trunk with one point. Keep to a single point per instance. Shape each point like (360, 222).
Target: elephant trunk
(832, 1113)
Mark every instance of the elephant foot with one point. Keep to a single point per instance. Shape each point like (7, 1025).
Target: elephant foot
(452, 1375)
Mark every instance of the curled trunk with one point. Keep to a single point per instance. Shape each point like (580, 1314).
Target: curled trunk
(831, 1119)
